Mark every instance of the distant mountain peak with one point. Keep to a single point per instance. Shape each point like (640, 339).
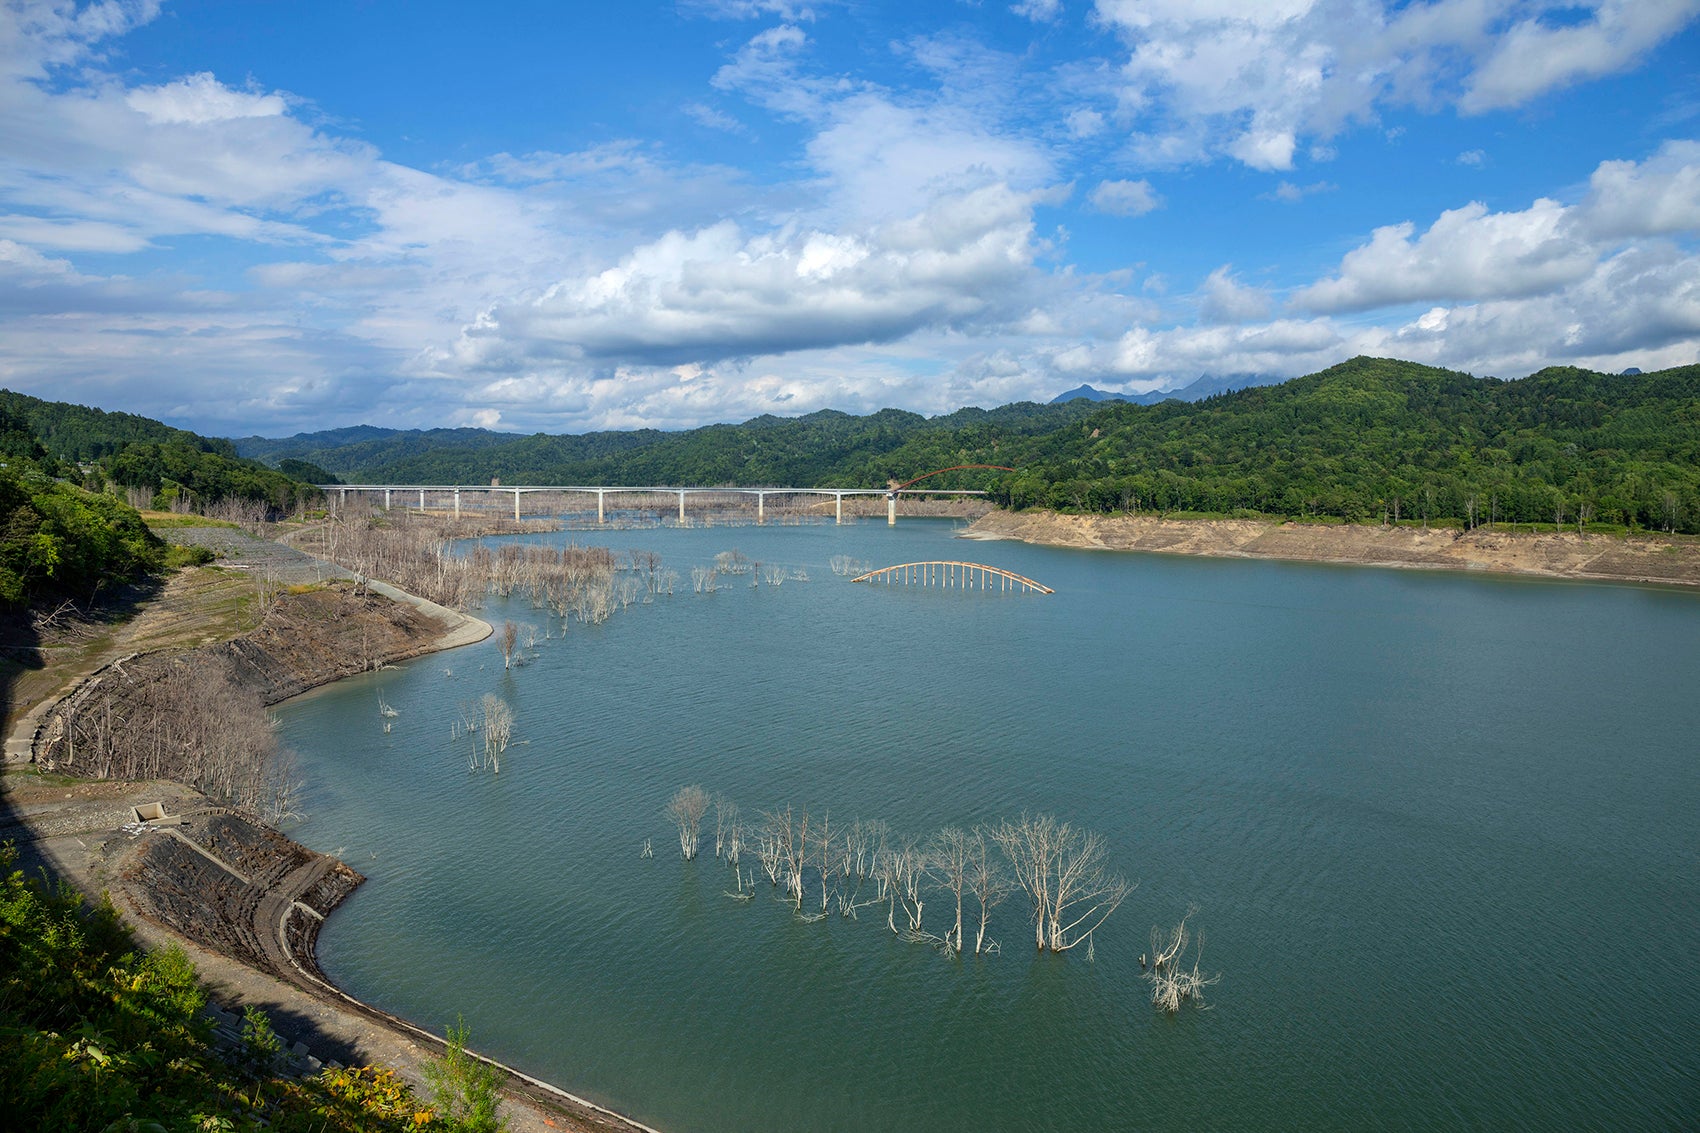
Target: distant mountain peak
(1089, 393)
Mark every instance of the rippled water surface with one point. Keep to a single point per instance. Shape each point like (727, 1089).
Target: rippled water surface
(1442, 831)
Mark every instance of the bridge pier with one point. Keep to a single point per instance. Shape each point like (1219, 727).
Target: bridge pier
(422, 499)
(343, 497)
(601, 512)
(891, 510)
(516, 505)
(681, 506)
(838, 499)
(457, 504)
(761, 507)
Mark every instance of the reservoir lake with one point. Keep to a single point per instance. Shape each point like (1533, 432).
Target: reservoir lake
(1442, 831)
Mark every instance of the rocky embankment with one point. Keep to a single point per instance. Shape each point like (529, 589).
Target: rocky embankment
(1637, 558)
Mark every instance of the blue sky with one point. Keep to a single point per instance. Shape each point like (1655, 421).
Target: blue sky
(268, 217)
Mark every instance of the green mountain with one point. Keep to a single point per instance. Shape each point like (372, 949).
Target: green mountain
(1373, 437)
(1368, 438)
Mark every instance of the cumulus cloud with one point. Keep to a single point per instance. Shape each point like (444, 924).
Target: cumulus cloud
(1472, 253)
(720, 292)
(1468, 253)
(1125, 198)
(1251, 78)
(1656, 197)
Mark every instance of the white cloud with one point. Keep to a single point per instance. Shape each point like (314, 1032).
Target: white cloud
(1656, 197)
(1039, 11)
(1289, 193)
(714, 119)
(1125, 198)
(1251, 78)
(1226, 300)
(1468, 253)
(1472, 157)
(200, 99)
(721, 292)
(1535, 56)
(1085, 123)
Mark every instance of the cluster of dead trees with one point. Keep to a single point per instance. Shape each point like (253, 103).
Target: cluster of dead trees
(820, 867)
(170, 718)
(417, 553)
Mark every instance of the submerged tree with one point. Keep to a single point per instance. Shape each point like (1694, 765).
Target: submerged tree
(686, 809)
(989, 882)
(1064, 871)
(1172, 983)
(498, 731)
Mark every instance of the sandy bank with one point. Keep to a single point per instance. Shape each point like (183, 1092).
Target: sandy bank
(1638, 558)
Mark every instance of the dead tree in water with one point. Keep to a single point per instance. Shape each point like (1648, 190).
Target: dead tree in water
(686, 809)
(1065, 872)
(989, 883)
(498, 730)
(1173, 984)
(506, 639)
(947, 860)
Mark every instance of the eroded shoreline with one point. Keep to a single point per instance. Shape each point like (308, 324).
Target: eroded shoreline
(1647, 558)
(244, 900)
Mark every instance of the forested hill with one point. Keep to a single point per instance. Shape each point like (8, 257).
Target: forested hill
(1373, 437)
(827, 447)
(96, 448)
(1367, 438)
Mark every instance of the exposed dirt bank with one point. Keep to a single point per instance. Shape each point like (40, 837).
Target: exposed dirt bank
(1638, 558)
(243, 900)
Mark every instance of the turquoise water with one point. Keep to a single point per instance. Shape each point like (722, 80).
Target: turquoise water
(1442, 831)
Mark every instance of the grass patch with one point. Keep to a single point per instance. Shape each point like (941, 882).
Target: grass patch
(169, 519)
(178, 556)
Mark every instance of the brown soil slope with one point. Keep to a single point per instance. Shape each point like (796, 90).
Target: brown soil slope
(1640, 558)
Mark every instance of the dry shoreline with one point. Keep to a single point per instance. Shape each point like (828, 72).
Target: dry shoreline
(256, 927)
(1643, 558)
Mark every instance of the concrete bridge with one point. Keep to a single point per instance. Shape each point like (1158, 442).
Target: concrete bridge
(954, 573)
(338, 494)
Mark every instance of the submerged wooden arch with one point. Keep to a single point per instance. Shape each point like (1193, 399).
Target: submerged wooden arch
(951, 572)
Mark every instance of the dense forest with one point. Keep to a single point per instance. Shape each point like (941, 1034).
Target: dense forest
(1367, 440)
(97, 448)
(821, 448)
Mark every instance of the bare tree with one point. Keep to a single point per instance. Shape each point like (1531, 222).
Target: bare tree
(947, 861)
(1064, 871)
(507, 638)
(686, 809)
(1172, 983)
(989, 883)
(498, 731)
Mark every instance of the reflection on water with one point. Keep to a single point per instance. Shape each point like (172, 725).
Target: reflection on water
(1441, 831)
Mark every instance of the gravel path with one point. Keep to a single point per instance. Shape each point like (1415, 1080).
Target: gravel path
(238, 550)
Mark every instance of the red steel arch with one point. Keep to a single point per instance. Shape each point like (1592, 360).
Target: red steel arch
(952, 468)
